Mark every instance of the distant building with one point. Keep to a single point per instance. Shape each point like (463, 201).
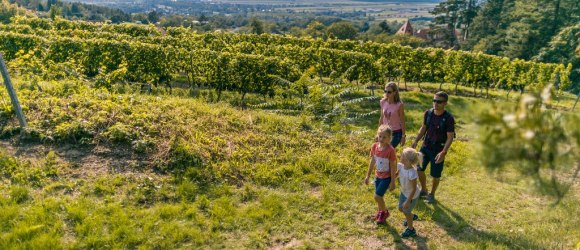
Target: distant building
(432, 35)
(406, 29)
(423, 34)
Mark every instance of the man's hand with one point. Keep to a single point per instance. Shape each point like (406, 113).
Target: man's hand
(367, 180)
(440, 157)
(392, 186)
(414, 145)
(406, 204)
(403, 140)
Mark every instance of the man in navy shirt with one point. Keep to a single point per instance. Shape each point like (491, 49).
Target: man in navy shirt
(438, 130)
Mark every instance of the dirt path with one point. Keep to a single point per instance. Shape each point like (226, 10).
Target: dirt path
(82, 161)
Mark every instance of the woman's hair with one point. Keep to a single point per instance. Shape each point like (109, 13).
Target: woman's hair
(385, 129)
(412, 156)
(395, 88)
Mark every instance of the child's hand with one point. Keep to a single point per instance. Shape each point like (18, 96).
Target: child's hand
(392, 186)
(367, 180)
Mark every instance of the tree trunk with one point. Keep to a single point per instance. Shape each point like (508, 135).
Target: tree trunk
(556, 14)
(242, 100)
(440, 86)
(406, 89)
(189, 80)
(170, 88)
(419, 85)
(474, 90)
(577, 97)
(470, 5)
(456, 86)
(486, 92)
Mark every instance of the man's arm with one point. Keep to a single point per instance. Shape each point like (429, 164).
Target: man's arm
(441, 156)
(420, 135)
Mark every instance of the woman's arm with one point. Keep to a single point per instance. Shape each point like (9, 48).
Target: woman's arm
(402, 116)
(382, 115)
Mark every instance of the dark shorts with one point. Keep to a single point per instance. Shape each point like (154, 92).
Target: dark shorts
(396, 139)
(381, 186)
(429, 157)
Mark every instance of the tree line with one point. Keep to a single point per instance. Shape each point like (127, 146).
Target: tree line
(547, 31)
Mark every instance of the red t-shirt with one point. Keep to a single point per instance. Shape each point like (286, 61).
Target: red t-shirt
(383, 159)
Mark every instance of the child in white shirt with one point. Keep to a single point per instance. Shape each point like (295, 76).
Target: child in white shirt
(409, 189)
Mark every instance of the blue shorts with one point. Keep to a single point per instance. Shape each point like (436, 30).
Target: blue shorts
(429, 157)
(402, 200)
(396, 139)
(381, 186)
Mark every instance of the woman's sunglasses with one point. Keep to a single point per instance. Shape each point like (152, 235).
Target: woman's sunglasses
(388, 91)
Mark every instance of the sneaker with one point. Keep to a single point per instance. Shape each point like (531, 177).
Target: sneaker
(376, 215)
(415, 217)
(408, 233)
(430, 198)
(423, 194)
(382, 217)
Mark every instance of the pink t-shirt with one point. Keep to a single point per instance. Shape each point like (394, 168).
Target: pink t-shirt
(383, 159)
(391, 115)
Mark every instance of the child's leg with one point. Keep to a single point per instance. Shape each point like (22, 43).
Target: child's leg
(409, 217)
(409, 213)
(381, 202)
(380, 189)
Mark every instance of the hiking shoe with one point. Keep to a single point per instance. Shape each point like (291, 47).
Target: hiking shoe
(430, 198)
(415, 217)
(409, 232)
(423, 194)
(382, 217)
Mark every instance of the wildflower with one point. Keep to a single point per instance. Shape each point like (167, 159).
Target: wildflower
(528, 134)
(510, 120)
(528, 100)
(546, 93)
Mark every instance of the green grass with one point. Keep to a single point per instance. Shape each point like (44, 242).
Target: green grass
(124, 170)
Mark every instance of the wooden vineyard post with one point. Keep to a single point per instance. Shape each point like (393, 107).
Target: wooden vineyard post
(12, 93)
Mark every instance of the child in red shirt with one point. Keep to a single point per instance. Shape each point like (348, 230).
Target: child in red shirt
(383, 157)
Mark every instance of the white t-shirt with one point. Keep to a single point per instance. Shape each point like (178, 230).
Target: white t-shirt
(405, 177)
(382, 164)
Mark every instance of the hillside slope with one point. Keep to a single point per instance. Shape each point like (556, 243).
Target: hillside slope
(124, 170)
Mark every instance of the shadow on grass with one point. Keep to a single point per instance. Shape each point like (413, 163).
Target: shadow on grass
(460, 230)
(401, 243)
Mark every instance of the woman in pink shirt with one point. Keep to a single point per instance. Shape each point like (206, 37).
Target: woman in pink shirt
(393, 113)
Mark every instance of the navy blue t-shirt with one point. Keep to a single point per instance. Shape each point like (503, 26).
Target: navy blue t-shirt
(435, 136)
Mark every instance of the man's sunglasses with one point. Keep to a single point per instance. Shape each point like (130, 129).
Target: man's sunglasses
(438, 101)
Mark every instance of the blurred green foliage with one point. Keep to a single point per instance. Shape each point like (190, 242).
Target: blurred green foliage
(540, 143)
